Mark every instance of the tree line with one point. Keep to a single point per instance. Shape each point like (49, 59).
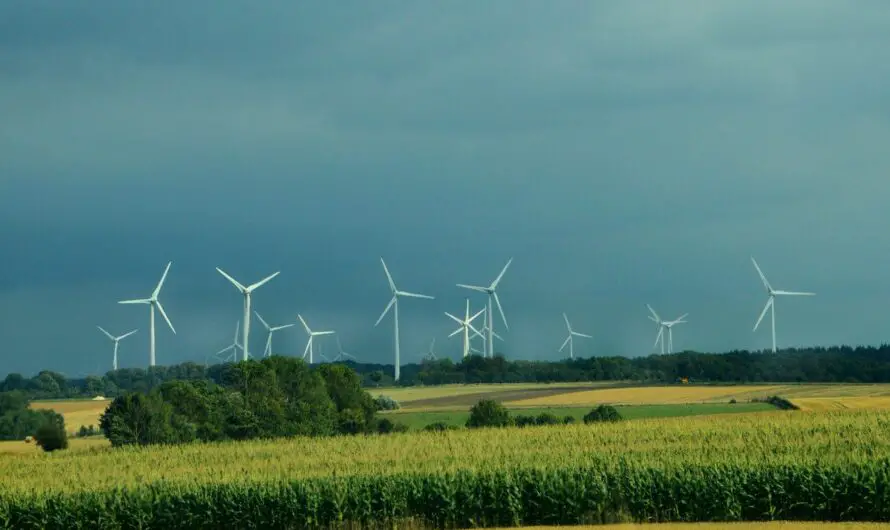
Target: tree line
(842, 364)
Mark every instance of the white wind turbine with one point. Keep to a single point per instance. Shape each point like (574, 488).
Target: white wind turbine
(267, 352)
(491, 291)
(431, 354)
(466, 325)
(771, 301)
(245, 352)
(153, 302)
(233, 347)
(116, 341)
(569, 340)
(394, 302)
(665, 324)
(340, 353)
(312, 335)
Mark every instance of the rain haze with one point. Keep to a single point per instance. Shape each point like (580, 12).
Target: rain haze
(622, 153)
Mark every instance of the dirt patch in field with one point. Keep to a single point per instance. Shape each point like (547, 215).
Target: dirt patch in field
(468, 400)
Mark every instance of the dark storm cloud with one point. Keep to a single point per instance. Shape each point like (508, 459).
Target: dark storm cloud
(622, 153)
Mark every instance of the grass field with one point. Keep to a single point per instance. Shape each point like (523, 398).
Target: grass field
(418, 419)
(697, 468)
(77, 412)
(16, 447)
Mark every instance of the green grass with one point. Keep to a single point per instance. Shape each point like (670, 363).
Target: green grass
(419, 420)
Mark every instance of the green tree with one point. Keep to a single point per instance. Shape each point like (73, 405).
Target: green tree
(141, 419)
(51, 437)
(488, 413)
(602, 413)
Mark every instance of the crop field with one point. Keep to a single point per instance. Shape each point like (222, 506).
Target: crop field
(77, 412)
(772, 525)
(782, 465)
(418, 419)
(20, 447)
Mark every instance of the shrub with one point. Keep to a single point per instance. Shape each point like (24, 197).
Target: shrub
(440, 426)
(386, 403)
(51, 436)
(568, 420)
(87, 431)
(778, 402)
(602, 413)
(524, 421)
(545, 418)
(732, 401)
(488, 413)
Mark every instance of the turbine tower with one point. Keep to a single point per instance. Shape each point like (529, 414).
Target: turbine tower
(491, 291)
(267, 352)
(245, 352)
(771, 301)
(569, 340)
(153, 302)
(312, 335)
(465, 325)
(234, 347)
(394, 303)
(116, 341)
(662, 325)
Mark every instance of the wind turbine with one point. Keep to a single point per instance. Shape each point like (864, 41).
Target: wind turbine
(116, 341)
(569, 339)
(465, 325)
(271, 329)
(771, 301)
(312, 335)
(395, 302)
(491, 291)
(245, 352)
(153, 302)
(430, 355)
(665, 324)
(340, 353)
(234, 347)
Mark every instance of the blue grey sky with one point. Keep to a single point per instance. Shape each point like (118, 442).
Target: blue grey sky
(620, 152)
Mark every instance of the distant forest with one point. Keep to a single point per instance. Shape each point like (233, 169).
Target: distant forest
(835, 365)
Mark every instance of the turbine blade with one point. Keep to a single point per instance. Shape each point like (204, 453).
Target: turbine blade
(109, 335)
(794, 293)
(769, 302)
(454, 318)
(392, 284)
(654, 314)
(455, 332)
(565, 343)
(305, 325)
(164, 314)
(473, 287)
(500, 309)
(497, 280)
(224, 350)
(569, 326)
(139, 301)
(308, 343)
(475, 331)
(125, 335)
(472, 318)
(682, 317)
(495, 335)
(414, 295)
(262, 282)
(762, 276)
(276, 328)
(157, 290)
(575, 333)
(233, 280)
(263, 322)
(660, 332)
(316, 333)
(385, 311)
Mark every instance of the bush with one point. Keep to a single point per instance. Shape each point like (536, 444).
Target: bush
(51, 436)
(87, 431)
(732, 401)
(488, 413)
(778, 402)
(568, 420)
(440, 426)
(545, 418)
(523, 421)
(386, 403)
(602, 413)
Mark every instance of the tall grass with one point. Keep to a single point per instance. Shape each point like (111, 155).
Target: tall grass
(783, 465)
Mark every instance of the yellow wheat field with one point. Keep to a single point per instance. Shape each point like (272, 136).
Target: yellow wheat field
(842, 403)
(77, 412)
(772, 525)
(650, 395)
(20, 447)
(405, 395)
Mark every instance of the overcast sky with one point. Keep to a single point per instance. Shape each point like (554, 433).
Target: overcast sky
(622, 153)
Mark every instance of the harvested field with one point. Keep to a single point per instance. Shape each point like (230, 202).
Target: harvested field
(464, 396)
(77, 412)
(842, 403)
(644, 395)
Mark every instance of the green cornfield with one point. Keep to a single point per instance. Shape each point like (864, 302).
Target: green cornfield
(774, 466)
